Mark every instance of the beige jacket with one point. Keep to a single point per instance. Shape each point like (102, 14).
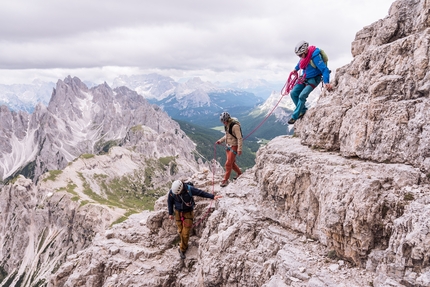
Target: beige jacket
(231, 140)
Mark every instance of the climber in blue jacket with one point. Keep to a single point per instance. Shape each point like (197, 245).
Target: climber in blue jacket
(314, 68)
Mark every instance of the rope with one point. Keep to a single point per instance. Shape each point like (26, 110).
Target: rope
(289, 84)
(262, 122)
(292, 80)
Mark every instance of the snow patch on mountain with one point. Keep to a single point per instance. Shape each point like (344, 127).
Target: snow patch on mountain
(22, 150)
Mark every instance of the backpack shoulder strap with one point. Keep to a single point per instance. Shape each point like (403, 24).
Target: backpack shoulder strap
(312, 62)
(193, 203)
(189, 190)
(230, 128)
(324, 57)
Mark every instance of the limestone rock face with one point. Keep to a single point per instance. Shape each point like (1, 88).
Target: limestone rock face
(300, 217)
(242, 242)
(380, 108)
(353, 207)
(348, 204)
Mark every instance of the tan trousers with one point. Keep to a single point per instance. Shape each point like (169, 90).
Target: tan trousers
(184, 221)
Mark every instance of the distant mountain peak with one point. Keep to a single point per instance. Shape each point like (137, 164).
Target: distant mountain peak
(79, 120)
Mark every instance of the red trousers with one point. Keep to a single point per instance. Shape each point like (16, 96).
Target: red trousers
(231, 163)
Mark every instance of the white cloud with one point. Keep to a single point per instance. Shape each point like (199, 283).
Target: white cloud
(220, 40)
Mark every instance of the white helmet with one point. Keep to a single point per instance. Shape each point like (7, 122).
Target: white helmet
(224, 117)
(301, 48)
(177, 186)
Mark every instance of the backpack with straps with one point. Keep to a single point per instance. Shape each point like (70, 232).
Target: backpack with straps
(323, 56)
(189, 184)
(230, 127)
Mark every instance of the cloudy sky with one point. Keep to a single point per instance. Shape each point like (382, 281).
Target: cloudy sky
(222, 40)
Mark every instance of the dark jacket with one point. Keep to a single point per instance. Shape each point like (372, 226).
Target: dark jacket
(183, 202)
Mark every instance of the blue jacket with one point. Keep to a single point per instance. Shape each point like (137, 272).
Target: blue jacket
(183, 202)
(321, 67)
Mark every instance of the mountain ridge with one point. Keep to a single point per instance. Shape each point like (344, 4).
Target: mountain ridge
(80, 120)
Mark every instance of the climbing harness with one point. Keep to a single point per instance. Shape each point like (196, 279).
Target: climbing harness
(181, 214)
(228, 147)
(294, 79)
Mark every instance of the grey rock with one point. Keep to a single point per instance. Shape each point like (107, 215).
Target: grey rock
(379, 110)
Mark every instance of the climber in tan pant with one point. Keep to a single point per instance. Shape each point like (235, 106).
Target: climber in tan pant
(180, 200)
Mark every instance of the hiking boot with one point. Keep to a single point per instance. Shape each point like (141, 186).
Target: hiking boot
(224, 183)
(291, 121)
(237, 176)
(181, 253)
